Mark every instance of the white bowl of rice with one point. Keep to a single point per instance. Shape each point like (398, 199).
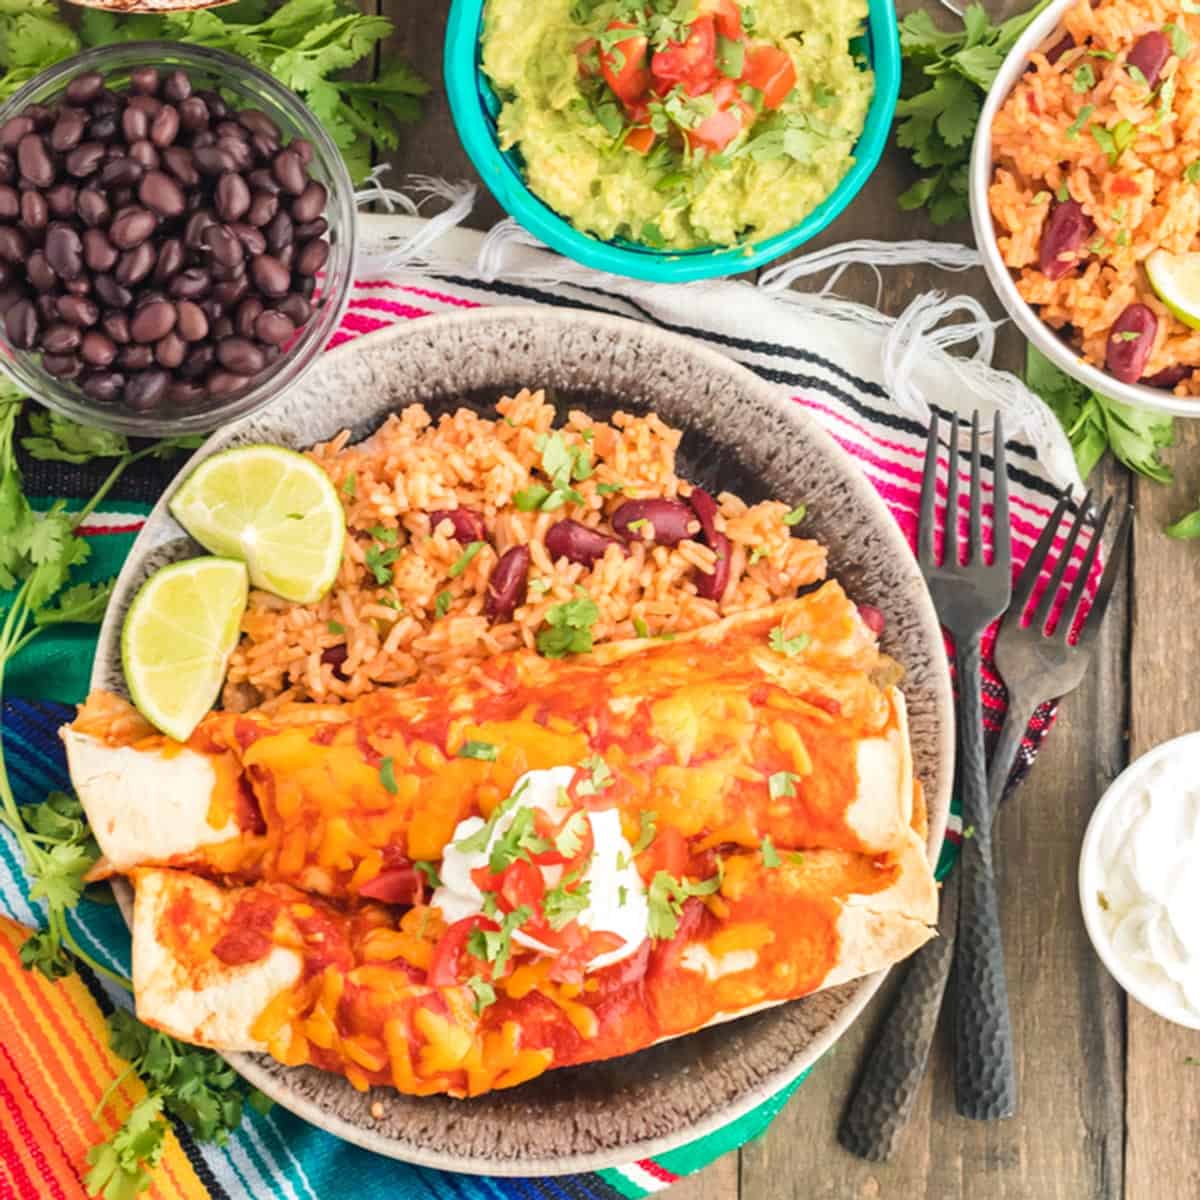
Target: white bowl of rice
(1081, 169)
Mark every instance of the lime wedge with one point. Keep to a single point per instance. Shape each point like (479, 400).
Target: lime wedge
(177, 638)
(275, 510)
(1176, 280)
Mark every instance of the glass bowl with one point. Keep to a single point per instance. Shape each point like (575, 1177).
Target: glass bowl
(475, 108)
(247, 87)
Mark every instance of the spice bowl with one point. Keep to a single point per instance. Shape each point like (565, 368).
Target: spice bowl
(299, 309)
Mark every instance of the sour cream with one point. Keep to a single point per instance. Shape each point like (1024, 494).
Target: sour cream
(616, 894)
(1144, 875)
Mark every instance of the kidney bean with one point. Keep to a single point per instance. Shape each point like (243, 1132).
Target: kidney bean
(79, 310)
(1065, 43)
(64, 250)
(335, 657)
(712, 586)
(468, 524)
(1149, 55)
(105, 388)
(705, 508)
(21, 325)
(34, 161)
(668, 521)
(1168, 377)
(61, 339)
(872, 618)
(96, 349)
(1130, 343)
(153, 321)
(507, 584)
(1067, 228)
(578, 543)
(276, 329)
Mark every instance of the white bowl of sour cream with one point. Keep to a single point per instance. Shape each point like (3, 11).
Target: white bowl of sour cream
(1139, 880)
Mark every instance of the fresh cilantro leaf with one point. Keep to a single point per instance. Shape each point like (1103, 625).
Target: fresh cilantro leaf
(43, 952)
(441, 604)
(770, 856)
(82, 604)
(608, 489)
(379, 559)
(58, 877)
(430, 871)
(121, 1165)
(349, 487)
(638, 525)
(464, 560)
(387, 774)
(786, 645)
(622, 895)
(666, 898)
(477, 841)
(1081, 119)
(756, 552)
(495, 945)
(335, 627)
(1134, 73)
(647, 828)
(561, 905)
(1192, 174)
(1186, 529)
(1181, 44)
(569, 839)
(731, 57)
(485, 751)
(796, 515)
(568, 628)
(530, 499)
(519, 840)
(57, 439)
(1084, 79)
(796, 859)
(484, 993)
(782, 783)
(640, 627)
(599, 776)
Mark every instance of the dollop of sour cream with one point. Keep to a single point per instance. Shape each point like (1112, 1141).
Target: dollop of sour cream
(1149, 893)
(616, 894)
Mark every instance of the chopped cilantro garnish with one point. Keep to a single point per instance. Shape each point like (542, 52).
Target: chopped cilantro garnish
(474, 842)
(335, 627)
(770, 856)
(666, 899)
(485, 994)
(609, 489)
(519, 840)
(647, 828)
(756, 552)
(539, 586)
(796, 515)
(464, 560)
(481, 750)
(786, 645)
(622, 895)
(640, 627)
(599, 776)
(495, 945)
(561, 463)
(561, 905)
(1192, 174)
(531, 498)
(430, 871)
(569, 839)
(568, 628)
(1076, 126)
(441, 605)
(1114, 142)
(822, 96)
(797, 859)
(1128, 335)
(638, 525)
(1062, 194)
(350, 486)
(782, 783)
(1136, 75)
(731, 57)
(379, 561)
(1085, 79)
(387, 774)
(384, 534)
(1181, 44)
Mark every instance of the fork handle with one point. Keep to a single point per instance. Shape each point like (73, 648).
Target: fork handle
(886, 1091)
(1016, 722)
(984, 1072)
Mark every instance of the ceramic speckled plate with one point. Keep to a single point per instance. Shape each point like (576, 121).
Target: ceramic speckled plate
(740, 434)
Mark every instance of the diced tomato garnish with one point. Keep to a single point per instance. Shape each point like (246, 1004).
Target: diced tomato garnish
(640, 140)
(665, 955)
(728, 16)
(692, 63)
(519, 883)
(668, 852)
(772, 72)
(624, 66)
(443, 970)
(1122, 185)
(548, 829)
(394, 885)
(570, 965)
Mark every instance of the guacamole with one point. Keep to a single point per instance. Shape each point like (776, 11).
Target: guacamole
(679, 123)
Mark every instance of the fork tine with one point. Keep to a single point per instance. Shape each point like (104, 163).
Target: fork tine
(1036, 561)
(975, 525)
(950, 552)
(1046, 603)
(1001, 525)
(925, 522)
(1071, 608)
(1108, 580)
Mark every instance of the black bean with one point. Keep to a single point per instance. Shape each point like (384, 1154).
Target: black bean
(261, 180)
(262, 210)
(312, 229)
(116, 326)
(190, 322)
(135, 123)
(225, 383)
(134, 265)
(312, 256)
(61, 338)
(13, 244)
(132, 227)
(161, 194)
(106, 101)
(247, 313)
(222, 327)
(8, 272)
(507, 584)
(8, 297)
(193, 114)
(96, 349)
(224, 245)
(146, 390)
(230, 293)
(170, 351)
(68, 130)
(61, 199)
(10, 203)
(135, 358)
(93, 207)
(153, 321)
(183, 394)
(232, 130)
(177, 87)
(306, 286)
(64, 250)
(279, 232)
(265, 148)
(664, 522)
(144, 80)
(21, 325)
(34, 161)
(189, 284)
(210, 160)
(270, 276)
(252, 239)
(232, 198)
(240, 355)
(223, 274)
(164, 129)
(296, 308)
(302, 148)
(197, 223)
(112, 293)
(289, 172)
(83, 89)
(13, 130)
(105, 387)
(310, 204)
(79, 310)
(276, 329)
(8, 167)
(46, 304)
(170, 260)
(145, 155)
(61, 366)
(258, 122)
(85, 159)
(35, 212)
(103, 128)
(198, 362)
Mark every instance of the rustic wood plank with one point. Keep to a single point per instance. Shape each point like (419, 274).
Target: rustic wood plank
(719, 1181)
(1162, 1110)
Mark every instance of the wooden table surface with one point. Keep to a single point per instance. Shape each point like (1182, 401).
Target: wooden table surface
(1109, 1109)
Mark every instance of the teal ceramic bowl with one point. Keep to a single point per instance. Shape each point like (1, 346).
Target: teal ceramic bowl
(475, 108)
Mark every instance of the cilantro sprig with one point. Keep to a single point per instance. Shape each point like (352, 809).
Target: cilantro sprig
(666, 898)
(568, 628)
(562, 464)
(308, 45)
(946, 76)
